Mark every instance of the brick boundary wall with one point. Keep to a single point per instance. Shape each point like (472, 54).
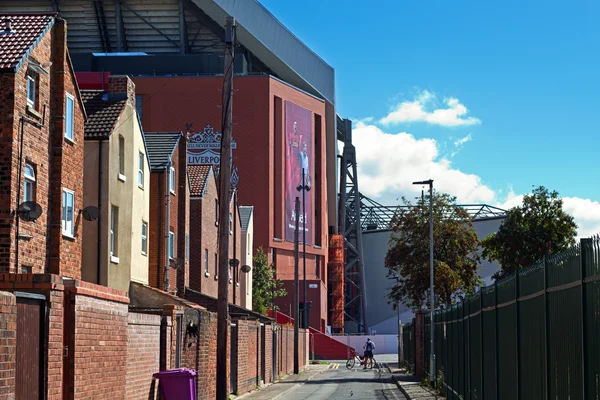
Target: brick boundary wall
(8, 345)
(143, 355)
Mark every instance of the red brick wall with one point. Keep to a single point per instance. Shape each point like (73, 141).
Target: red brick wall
(8, 345)
(158, 222)
(54, 160)
(99, 328)
(243, 361)
(204, 236)
(143, 351)
(67, 162)
(268, 353)
(172, 102)
(183, 221)
(254, 355)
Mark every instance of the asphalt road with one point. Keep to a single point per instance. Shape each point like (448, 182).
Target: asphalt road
(337, 382)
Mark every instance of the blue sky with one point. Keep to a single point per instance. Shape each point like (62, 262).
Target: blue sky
(518, 82)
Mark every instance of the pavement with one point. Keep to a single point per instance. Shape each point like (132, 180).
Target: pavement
(334, 381)
(409, 385)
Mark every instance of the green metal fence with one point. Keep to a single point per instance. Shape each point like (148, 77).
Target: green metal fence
(533, 335)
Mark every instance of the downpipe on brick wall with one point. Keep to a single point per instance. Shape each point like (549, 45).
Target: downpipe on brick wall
(22, 121)
(167, 284)
(99, 226)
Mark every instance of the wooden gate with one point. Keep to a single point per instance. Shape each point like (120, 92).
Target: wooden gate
(29, 378)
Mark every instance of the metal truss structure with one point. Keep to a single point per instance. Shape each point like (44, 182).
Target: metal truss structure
(358, 214)
(375, 216)
(355, 304)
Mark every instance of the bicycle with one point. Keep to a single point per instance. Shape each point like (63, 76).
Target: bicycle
(355, 357)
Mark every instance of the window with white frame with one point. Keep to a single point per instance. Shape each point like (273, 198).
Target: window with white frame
(32, 88)
(29, 183)
(144, 238)
(68, 212)
(121, 157)
(114, 231)
(171, 245)
(216, 212)
(206, 262)
(141, 170)
(69, 117)
(230, 224)
(172, 180)
(216, 267)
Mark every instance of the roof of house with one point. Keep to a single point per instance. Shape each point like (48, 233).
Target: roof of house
(161, 146)
(199, 175)
(103, 112)
(27, 29)
(245, 215)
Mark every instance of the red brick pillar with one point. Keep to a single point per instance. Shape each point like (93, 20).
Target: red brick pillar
(419, 343)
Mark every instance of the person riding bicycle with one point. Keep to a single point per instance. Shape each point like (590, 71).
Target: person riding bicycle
(368, 347)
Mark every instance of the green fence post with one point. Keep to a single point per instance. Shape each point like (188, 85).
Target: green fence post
(582, 256)
(481, 339)
(517, 290)
(497, 336)
(547, 334)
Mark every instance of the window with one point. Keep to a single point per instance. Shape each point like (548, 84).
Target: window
(138, 106)
(187, 247)
(68, 201)
(141, 170)
(121, 158)
(216, 212)
(206, 262)
(216, 267)
(144, 238)
(248, 249)
(172, 180)
(114, 232)
(25, 269)
(31, 90)
(171, 245)
(317, 267)
(29, 184)
(230, 224)
(69, 117)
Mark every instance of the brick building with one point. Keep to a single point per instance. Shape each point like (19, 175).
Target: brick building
(116, 188)
(260, 127)
(41, 128)
(168, 252)
(204, 230)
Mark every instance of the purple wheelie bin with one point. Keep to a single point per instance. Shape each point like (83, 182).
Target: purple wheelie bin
(177, 384)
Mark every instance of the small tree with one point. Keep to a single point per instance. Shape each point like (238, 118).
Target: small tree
(265, 287)
(537, 228)
(456, 257)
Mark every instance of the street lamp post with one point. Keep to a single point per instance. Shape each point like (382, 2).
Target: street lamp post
(432, 304)
(304, 188)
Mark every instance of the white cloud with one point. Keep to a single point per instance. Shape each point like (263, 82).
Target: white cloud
(416, 111)
(389, 163)
(463, 140)
(585, 211)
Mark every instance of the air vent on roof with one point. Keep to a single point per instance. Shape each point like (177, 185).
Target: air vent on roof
(7, 26)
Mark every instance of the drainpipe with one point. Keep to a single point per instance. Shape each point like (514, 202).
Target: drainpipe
(23, 119)
(168, 225)
(99, 252)
(236, 270)
(161, 183)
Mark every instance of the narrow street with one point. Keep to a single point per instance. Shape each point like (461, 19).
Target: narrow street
(335, 382)
(340, 383)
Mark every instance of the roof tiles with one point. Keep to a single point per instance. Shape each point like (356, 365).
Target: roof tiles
(161, 146)
(26, 31)
(198, 177)
(103, 112)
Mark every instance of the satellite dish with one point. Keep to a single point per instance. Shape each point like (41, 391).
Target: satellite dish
(90, 213)
(29, 211)
(246, 268)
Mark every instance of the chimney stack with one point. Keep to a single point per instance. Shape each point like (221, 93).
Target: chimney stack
(8, 24)
(121, 84)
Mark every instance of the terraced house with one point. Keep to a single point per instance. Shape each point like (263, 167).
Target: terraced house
(116, 188)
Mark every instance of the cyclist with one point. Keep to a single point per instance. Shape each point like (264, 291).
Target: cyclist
(368, 347)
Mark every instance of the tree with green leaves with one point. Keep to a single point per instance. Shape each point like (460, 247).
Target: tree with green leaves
(537, 228)
(265, 287)
(456, 256)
